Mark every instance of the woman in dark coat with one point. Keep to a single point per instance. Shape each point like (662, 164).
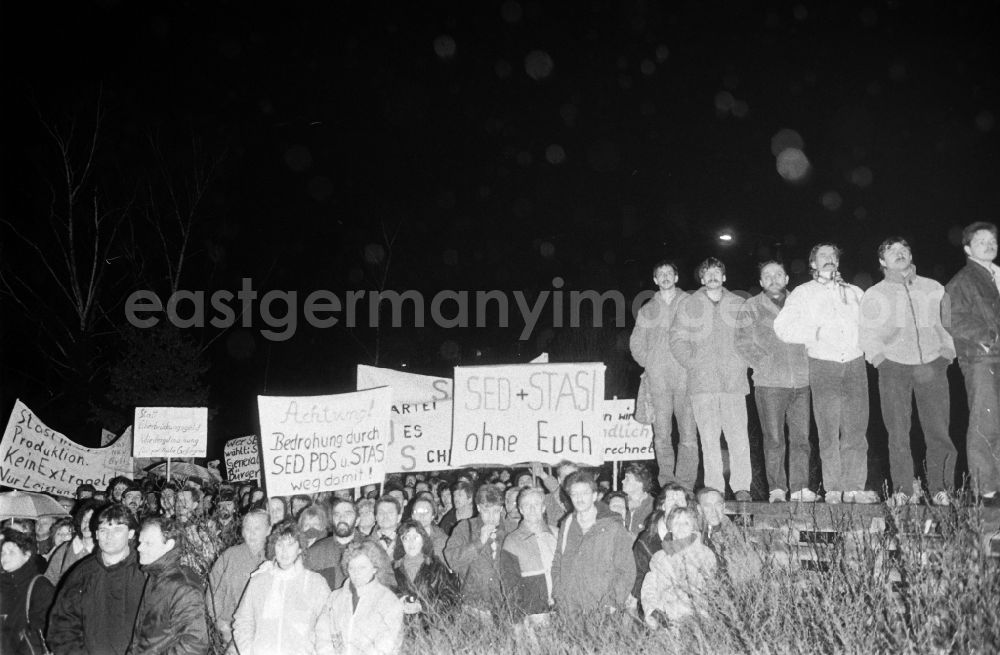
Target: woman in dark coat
(22, 628)
(426, 586)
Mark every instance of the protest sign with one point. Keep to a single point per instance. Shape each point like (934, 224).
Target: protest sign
(170, 432)
(421, 418)
(324, 443)
(242, 459)
(34, 457)
(624, 437)
(507, 415)
(107, 436)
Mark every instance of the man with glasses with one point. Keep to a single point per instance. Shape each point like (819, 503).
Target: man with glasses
(97, 602)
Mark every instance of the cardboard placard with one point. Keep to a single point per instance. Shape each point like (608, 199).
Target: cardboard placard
(242, 459)
(170, 432)
(625, 439)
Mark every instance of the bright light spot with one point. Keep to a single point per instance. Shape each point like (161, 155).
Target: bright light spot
(538, 64)
(374, 253)
(502, 69)
(511, 11)
(444, 47)
(298, 158)
(555, 154)
(647, 67)
(985, 121)
(831, 200)
(662, 52)
(785, 139)
(793, 165)
(546, 249)
(861, 177)
(724, 102)
(726, 237)
(741, 109)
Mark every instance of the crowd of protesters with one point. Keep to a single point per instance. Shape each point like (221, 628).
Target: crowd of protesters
(190, 567)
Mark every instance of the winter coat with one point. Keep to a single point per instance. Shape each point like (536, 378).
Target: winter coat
(95, 607)
(477, 565)
(648, 544)
(172, 619)
(279, 610)
(227, 581)
(650, 342)
(63, 558)
(901, 321)
(703, 339)
(325, 555)
(972, 314)
(676, 579)
(374, 628)
(435, 587)
(774, 362)
(636, 519)
(593, 569)
(825, 317)
(529, 576)
(23, 623)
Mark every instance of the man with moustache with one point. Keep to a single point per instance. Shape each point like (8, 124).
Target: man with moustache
(904, 339)
(324, 556)
(781, 387)
(973, 318)
(666, 379)
(824, 315)
(702, 339)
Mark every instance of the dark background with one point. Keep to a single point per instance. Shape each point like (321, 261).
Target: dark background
(334, 128)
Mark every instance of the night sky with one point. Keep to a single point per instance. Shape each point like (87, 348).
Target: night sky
(501, 145)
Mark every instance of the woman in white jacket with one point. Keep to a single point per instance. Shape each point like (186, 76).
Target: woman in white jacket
(363, 617)
(282, 601)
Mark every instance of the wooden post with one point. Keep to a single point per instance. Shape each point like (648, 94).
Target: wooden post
(614, 475)
(168, 469)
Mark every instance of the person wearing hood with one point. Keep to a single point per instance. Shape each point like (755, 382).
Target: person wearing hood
(25, 595)
(593, 567)
(282, 602)
(678, 572)
(172, 619)
(98, 599)
(703, 340)
(904, 339)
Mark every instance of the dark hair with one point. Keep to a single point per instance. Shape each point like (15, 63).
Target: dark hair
(465, 487)
(672, 487)
(113, 514)
(117, 480)
(580, 477)
(25, 541)
(889, 243)
(823, 244)
(289, 528)
(375, 554)
(392, 500)
(488, 494)
(711, 262)
(427, 548)
(611, 495)
(761, 266)
(337, 500)
(86, 486)
(169, 528)
(80, 510)
(664, 263)
(971, 229)
(227, 495)
(641, 473)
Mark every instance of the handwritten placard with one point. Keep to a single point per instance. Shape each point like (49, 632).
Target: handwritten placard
(34, 457)
(421, 418)
(324, 443)
(242, 459)
(529, 412)
(625, 439)
(170, 432)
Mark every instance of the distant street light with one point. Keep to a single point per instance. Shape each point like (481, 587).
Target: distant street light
(726, 236)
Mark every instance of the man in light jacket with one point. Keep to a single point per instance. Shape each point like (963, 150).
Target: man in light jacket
(903, 337)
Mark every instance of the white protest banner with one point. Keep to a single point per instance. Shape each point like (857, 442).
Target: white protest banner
(508, 415)
(34, 457)
(541, 359)
(421, 418)
(324, 443)
(170, 432)
(624, 437)
(242, 459)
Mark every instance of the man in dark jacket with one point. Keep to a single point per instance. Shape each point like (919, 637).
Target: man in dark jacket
(324, 556)
(96, 605)
(781, 387)
(593, 567)
(972, 316)
(474, 551)
(172, 618)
